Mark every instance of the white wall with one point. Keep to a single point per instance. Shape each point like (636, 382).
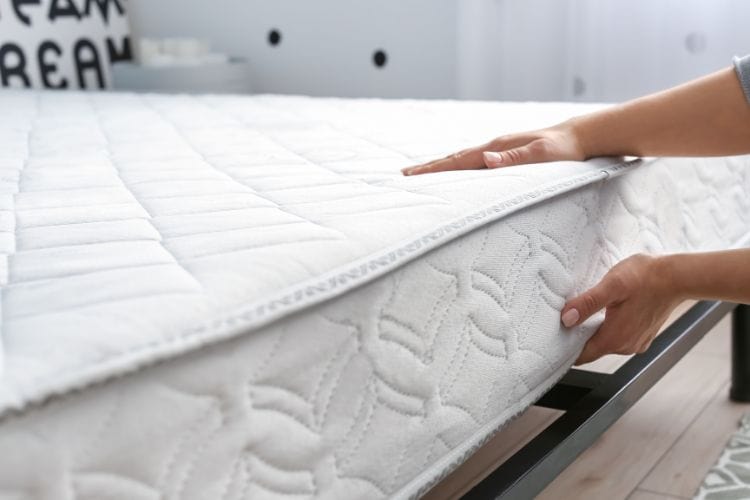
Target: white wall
(588, 50)
(595, 50)
(625, 51)
(513, 49)
(327, 45)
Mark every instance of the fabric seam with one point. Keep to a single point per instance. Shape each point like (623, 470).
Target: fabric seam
(241, 321)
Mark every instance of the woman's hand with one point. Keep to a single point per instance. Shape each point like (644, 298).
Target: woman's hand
(706, 117)
(556, 143)
(639, 294)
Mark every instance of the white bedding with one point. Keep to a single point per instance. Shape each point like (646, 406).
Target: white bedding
(326, 327)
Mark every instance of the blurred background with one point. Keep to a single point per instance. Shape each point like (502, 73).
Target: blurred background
(572, 50)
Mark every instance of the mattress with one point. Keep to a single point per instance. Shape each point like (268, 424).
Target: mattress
(230, 297)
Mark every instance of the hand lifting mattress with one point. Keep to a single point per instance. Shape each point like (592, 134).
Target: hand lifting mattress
(241, 297)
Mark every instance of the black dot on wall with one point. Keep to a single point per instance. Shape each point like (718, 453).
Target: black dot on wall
(379, 58)
(274, 37)
(696, 42)
(579, 86)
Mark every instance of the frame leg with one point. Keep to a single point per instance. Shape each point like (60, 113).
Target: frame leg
(740, 390)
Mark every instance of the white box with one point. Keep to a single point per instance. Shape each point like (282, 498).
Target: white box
(233, 77)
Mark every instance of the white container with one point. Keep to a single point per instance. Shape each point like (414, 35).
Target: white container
(231, 77)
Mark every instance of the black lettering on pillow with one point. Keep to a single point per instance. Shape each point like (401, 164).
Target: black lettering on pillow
(125, 54)
(17, 4)
(47, 68)
(63, 8)
(86, 58)
(18, 70)
(103, 6)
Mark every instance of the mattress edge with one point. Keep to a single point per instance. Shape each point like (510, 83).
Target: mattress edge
(327, 286)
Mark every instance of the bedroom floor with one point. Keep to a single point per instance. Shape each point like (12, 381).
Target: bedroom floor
(660, 450)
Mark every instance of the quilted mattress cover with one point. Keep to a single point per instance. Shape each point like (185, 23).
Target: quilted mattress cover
(230, 297)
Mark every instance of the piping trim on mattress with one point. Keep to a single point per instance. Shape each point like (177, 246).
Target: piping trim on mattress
(236, 322)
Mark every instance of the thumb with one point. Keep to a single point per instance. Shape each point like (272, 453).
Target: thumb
(581, 308)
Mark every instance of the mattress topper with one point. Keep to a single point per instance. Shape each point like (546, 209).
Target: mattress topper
(136, 228)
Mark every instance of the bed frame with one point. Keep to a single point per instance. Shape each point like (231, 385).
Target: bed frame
(592, 402)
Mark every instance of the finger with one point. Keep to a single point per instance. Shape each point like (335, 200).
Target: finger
(509, 158)
(536, 151)
(470, 158)
(601, 343)
(644, 345)
(510, 141)
(512, 157)
(580, 308)
(463, 160)
(591, 352)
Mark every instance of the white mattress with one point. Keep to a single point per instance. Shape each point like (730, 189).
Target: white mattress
(229, 297)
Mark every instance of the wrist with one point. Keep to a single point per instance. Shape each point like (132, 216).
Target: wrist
(671, 273)
(609, 132)
(575, 128)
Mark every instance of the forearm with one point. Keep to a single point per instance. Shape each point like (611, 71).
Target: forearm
(723, 275)
(706, 117)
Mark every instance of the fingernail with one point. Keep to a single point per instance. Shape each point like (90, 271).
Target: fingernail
(494, 158)
(570, 317)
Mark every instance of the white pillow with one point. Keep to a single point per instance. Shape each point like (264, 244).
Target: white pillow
(62, 44)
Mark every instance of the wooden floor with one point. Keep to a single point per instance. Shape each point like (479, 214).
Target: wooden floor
(659, 450)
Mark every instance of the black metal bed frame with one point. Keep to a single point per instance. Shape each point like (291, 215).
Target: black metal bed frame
(594, 401)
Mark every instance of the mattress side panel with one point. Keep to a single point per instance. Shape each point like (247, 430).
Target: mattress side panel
(380, 392)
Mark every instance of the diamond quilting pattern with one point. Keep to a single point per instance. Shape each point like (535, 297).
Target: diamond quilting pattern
(138, 233)
(187, 210)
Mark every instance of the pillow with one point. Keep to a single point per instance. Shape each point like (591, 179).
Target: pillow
(62, 44)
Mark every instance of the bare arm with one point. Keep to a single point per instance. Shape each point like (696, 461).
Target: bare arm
(721, 275)
(706, 117)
